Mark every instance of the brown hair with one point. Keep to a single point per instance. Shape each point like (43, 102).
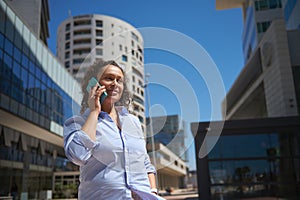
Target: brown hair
(93, 71)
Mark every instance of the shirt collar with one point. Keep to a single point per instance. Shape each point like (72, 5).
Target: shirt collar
(120, 109)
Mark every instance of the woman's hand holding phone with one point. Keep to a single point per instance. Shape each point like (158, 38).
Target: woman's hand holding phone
(95, 91)
(97, 94)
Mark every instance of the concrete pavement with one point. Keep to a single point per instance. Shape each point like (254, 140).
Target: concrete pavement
(182, 195)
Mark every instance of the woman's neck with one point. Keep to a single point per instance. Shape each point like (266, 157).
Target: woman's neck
(108, 107)
(112, 112)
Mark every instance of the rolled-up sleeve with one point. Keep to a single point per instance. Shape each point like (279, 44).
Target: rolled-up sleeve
(149, 167)
(77, 144)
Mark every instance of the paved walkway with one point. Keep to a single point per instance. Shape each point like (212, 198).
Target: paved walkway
(182, 195)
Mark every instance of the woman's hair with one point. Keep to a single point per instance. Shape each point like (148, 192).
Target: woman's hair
(93, 71)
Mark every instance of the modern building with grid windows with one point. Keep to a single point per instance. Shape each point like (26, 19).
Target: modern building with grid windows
(170, 155)
(256, 151)
(36, 97)
(83, 39)
(268, 85)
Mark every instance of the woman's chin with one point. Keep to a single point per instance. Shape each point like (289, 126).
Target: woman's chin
(111, 100)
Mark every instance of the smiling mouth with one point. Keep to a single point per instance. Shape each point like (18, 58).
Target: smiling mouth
(113, 92)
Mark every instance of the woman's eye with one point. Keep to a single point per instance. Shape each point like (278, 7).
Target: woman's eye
(109, 78)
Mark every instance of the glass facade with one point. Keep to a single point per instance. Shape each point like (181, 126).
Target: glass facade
(288, 9)
(267, 4)
(26, 88)
(27, 164)
(254, 28)
(36, 90)
(252, 159)
(291, 14)
(249, 34)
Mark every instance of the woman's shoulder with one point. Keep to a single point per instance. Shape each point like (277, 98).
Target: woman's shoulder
(77, 118)
(74, 119)
(124, 112)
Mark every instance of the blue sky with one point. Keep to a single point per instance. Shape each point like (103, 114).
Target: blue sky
(217, 33)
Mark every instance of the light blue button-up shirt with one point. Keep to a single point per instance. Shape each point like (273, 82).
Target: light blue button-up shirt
(115, 164)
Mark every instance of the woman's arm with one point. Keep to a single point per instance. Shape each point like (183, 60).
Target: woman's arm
(90, 125)
(152, 180)
(77, 144)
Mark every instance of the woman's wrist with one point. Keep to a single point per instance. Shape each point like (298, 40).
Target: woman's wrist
(95, 113)
(154, 190)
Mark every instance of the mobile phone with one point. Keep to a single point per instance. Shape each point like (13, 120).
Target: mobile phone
(93, 81)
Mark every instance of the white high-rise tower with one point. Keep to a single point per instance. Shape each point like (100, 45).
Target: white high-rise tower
(83, 39)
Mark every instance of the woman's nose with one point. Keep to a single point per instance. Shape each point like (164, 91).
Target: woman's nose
(114, 81)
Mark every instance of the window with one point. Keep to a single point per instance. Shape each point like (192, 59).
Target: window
(138, 100)
(99, 33)
(82, 22)
(134, 36)
(99, 52)
(67, 55)
(99, 23)
(67, 36)
(140, 49)
(99, 42)
(124, 58)
(136, 72)
(68, 26)
(8, 47)
(67, 46)
(267, 4)
(82, 32)
(141, 119)
(263, 26)
(67, 64)
(81, 51)
(78, 61)
(83, 41)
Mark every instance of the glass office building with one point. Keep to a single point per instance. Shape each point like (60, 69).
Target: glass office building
(36, 96)
(253, 158)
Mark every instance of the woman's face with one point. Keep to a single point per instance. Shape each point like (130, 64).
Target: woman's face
(113, 80)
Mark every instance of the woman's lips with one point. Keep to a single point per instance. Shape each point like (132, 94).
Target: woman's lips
(113, 92)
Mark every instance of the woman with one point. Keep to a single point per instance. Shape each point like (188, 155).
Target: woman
(107, 142)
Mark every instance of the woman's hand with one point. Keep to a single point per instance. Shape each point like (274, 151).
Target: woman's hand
(89, 127)
(94, 98)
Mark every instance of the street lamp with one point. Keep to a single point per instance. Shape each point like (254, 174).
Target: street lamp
(150, 120)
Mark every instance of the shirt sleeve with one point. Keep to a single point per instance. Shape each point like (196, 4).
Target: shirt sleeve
(77, 144)
(149, 167)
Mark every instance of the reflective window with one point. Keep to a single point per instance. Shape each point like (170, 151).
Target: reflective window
(8, 47)
(31, 67)
(9, 25)
(17, 54)
(1, 41)
(244, 146)
(17, 74)
(24, 80)
(18, 33)
(25, 61)
(267, 4)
